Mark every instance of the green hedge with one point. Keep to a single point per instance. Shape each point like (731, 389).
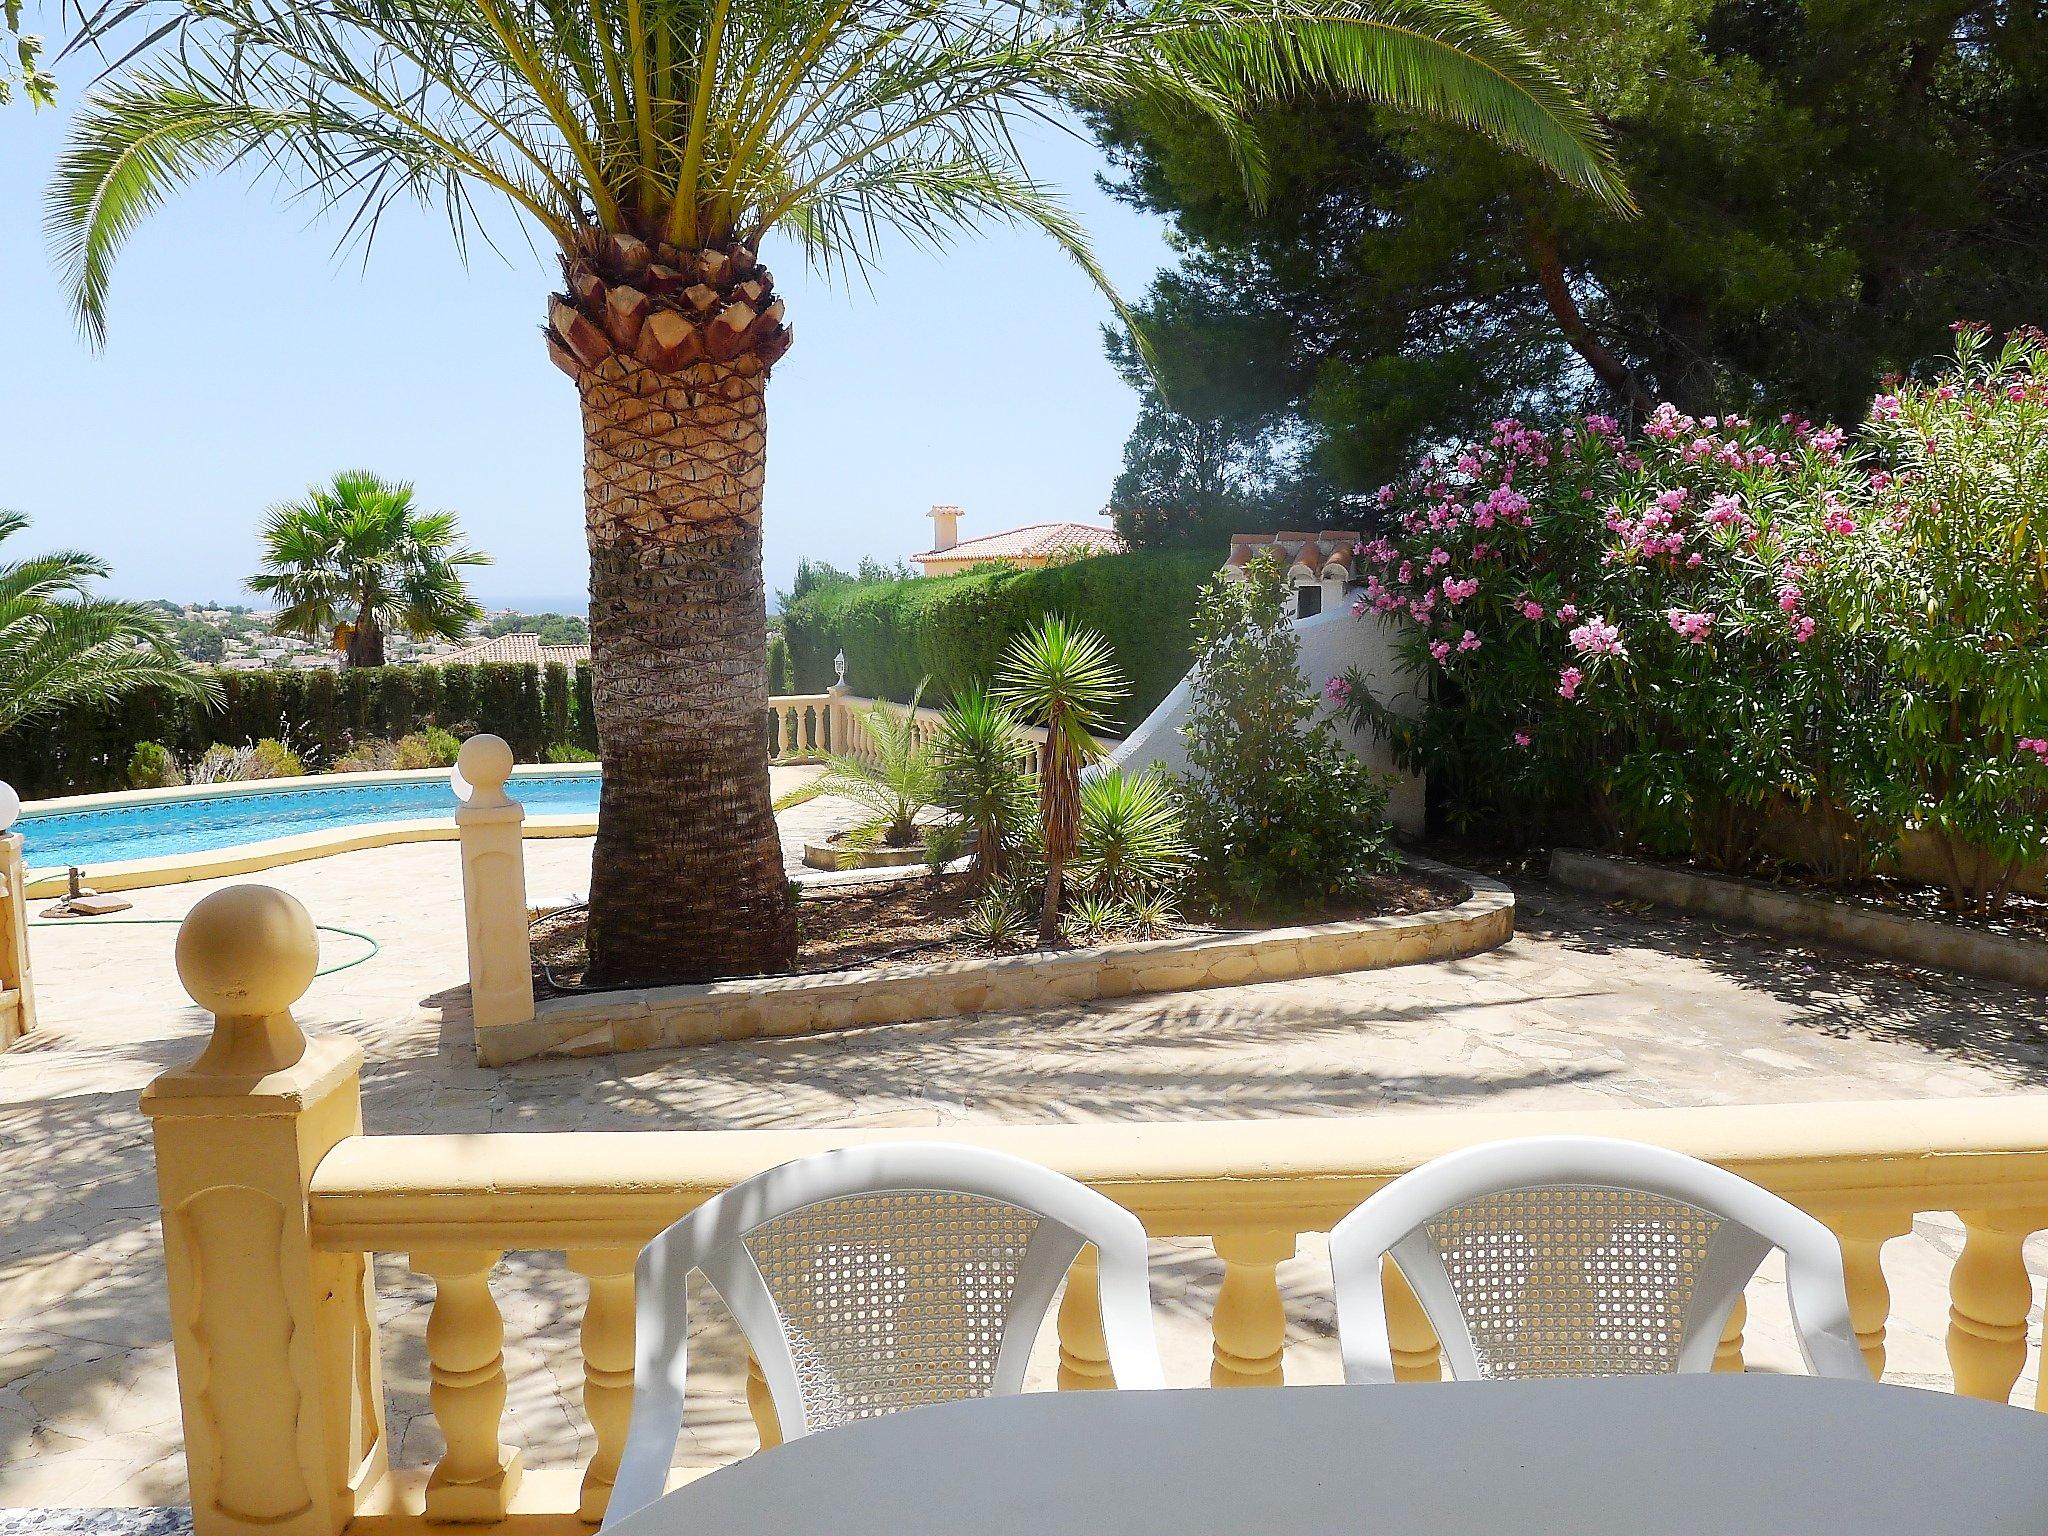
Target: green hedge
(86, 749)
(953, 629)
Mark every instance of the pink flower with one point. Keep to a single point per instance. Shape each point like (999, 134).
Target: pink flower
(1470, 642)
(1723, 510)
(1456, 591)
(1673, 499)
(1441, 650)
(1568, 682)
(1521, 738)
(1803, 631)
(1788, 599)
(1567, 612)
(1532, 611)
(2036, 745)
(1338, 690)
(1597, 637)
(1695, 627)
(1885, 408)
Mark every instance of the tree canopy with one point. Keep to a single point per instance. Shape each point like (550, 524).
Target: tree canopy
(1825, 185)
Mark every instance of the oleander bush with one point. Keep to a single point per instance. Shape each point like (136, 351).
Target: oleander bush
(1673, 641)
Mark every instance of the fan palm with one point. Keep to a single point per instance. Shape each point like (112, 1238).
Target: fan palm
(655, 144)
(1065, 680)
(60, 645)
(355, 560)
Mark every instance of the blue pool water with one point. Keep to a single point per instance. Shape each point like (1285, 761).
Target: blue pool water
(163, 828)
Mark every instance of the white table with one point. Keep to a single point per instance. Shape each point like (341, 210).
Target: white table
(1642, 1456)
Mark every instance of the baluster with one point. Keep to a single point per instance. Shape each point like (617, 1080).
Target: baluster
(1084, 1353)
(810, 727)
(1863, 1237)
(475, 1480)
(1728, 1353)
(774, 733)
(607, 1368)
(762, 1405)
(1417, 1356)
(1990, 1295)
(1250, 1323)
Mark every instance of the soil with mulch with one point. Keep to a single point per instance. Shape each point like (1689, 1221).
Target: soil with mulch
(916, 922)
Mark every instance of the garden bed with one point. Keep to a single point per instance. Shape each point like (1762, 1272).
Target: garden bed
(848, 927)
(1886, 917)
(1476, 914)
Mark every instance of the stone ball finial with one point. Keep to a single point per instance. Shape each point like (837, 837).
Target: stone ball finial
(10, 806)
(484, 764)
(248, 952)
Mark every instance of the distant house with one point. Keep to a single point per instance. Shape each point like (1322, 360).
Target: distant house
(1031, 546)
(523, 647)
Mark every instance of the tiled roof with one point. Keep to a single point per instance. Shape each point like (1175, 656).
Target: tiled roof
(522, 647)
(1329, 552)
(1034, 539)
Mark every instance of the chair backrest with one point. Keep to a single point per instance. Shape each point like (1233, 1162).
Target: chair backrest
(1580, 1256)
(877, 1278)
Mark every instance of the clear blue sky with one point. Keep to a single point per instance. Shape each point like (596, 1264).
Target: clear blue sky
(245, 361)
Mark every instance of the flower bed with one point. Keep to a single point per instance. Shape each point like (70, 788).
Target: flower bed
(1671, 639)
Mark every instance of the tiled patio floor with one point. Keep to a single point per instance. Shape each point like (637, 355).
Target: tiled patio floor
(1588, 1006)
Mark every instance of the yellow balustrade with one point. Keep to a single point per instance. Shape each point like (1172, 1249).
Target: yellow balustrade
(17, 987)
(260, 1151)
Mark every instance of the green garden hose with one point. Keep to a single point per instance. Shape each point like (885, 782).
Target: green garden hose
(75, 923)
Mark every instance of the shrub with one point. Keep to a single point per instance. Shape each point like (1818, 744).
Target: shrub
(781, 671)
(1951, 576)
(901, 782)
(563, 752)
(430, 748)
(368, 757)
(1131, 840)
(151, 766)
(1281, 817)
(1616, 635)
(954, 630)
(981, 754)
(275, 760)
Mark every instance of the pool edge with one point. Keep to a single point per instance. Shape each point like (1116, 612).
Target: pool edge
(247, 858)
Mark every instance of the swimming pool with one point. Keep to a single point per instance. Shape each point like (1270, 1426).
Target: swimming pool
(177, 825)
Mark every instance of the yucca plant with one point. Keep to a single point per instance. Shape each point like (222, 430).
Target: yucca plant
(355, 560)
(1092, 919)
(900, 782)
(982, 777)
(997, 919)
(60, 645)
(1066, 680)
(655, 145)
(1130, 838)
(942, 845)
(1154, 915)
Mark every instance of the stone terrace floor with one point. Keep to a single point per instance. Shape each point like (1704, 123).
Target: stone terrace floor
(1589, 1005)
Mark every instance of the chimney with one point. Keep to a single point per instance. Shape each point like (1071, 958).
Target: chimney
(945, 527)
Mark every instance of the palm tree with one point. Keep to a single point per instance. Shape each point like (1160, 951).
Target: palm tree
(655, 144)
(355, 561)
(898, 779)
(1065, 680)
(60, 645)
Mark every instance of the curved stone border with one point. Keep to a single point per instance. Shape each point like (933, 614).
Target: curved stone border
(837, 860)
(641, 1019)
(1794, 914)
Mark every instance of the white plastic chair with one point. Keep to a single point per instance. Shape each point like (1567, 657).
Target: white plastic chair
(1581, 1256)
(879, 1278)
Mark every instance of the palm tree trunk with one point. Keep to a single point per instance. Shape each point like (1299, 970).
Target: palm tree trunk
(365, 641)
(687, 881)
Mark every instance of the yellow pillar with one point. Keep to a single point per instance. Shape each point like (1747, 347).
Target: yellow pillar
(17, 988)
(767, 1423)
(1989, 1298)
(607, 1368)
(475, 1479)
(1863, 1238)
(1250, 1322)
(1084, 1352)
(275, 1343)
(1728, 1353)
(1417, 1355)
(494, 886)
